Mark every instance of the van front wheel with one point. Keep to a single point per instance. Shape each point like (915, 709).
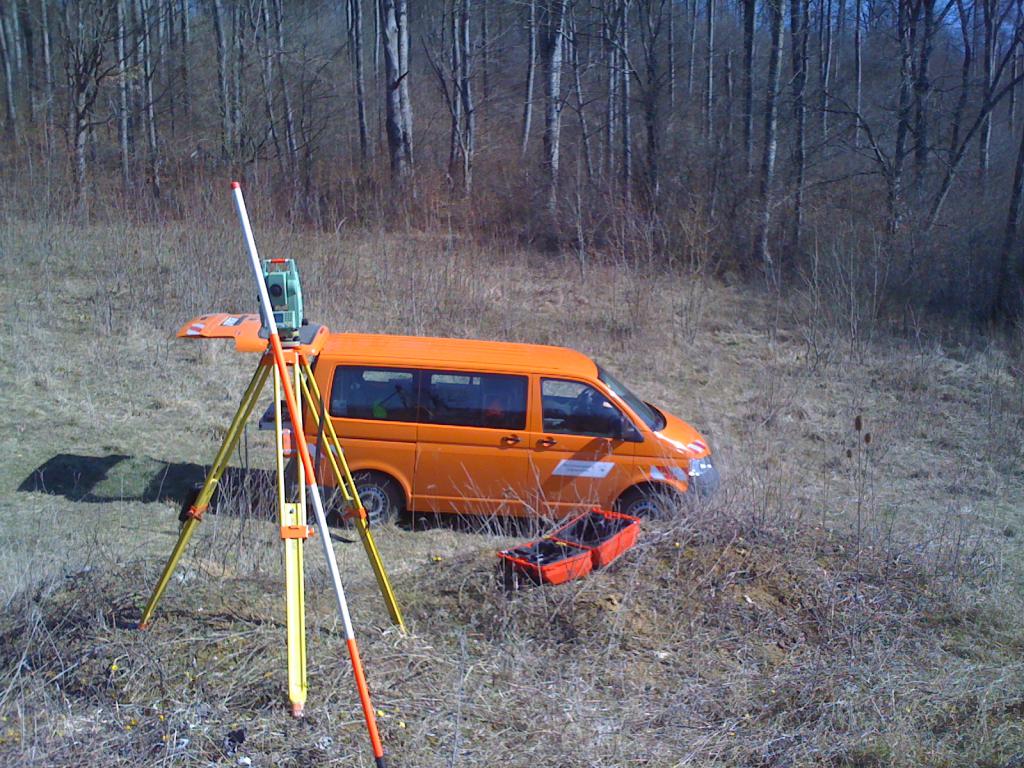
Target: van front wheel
(381, 496)
(649, 502)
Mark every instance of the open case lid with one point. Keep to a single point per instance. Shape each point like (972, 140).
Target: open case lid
(247, 331)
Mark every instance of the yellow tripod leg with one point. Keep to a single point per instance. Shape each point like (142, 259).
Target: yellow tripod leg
(343, 477)
(293, 531)
(209, 486)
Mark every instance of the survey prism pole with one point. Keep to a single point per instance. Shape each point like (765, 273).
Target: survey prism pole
(310, 477)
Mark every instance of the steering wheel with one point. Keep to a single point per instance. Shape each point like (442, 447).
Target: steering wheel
(584, 403)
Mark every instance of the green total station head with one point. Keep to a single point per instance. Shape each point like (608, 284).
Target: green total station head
(282, 279)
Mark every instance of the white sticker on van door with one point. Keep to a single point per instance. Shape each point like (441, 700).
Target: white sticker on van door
(577, 468)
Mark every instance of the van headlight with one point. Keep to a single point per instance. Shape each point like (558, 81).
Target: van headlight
(700, 467)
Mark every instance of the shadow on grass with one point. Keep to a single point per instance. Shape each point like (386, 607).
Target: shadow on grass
(118, 477)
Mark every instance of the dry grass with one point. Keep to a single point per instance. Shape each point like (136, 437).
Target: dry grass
(843, 602)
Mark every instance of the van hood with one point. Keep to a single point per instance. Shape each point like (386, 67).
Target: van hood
(682, 437)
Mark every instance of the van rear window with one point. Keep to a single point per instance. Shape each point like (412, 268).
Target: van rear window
(385, 394)
(461, 399)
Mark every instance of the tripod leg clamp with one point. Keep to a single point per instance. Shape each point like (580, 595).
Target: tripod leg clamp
(195, 513)
(296, 532)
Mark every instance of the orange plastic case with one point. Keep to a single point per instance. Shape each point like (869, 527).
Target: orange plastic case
(606, 534)
(549, 562)
(591, 540)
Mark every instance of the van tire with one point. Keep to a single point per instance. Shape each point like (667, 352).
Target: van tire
(651, 502)
(381, 495)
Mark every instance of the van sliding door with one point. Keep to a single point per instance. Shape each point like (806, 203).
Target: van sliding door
(472, 454)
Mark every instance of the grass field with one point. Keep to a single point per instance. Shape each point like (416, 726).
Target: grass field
(844, 601)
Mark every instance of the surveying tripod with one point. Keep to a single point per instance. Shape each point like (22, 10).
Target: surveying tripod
(291, 365)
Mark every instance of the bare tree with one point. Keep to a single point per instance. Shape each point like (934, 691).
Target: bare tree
(124, 139)
(6, 55)
(152, 141)
(48, 78)
(356, 40)
(858, 70)
(87, 29)
(574, 52)
(291, 142)
(227, 134)
(651, 15)
(625, 72)
(749, 11)
(798, 25)
(402, 21)
(761, 252)
(184, 51)
(1002, 306)
(709, 76)
(551, 29)
(401, 165)
(531, 63)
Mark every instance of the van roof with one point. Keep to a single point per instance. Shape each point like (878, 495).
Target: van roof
(460, 354)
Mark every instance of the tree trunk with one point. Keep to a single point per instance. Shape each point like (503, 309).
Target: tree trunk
(237, 81)
(905, 23)
(184, 46)
(466, 98)
(148, 24)
(1002, 306)
(922, 95)
(531, 30)
(485, 51)
(267, 76)
(749, 12)
(858, 71)
(761, 252)
(691, 60)
(48, 80)
(966, 65)
(610, 35)
(671, 58)
(122, 91)
(825, 62)
(290, 139)
(402, 20)
(651, 17)
(798, 13)
(455, 103)
(357, 56)
(551, 31)
(578, 87)
(625, 107)
(6, 55)
(400, 167)
(28, 34)
(989, 16)
(227, 136)
(709, 78)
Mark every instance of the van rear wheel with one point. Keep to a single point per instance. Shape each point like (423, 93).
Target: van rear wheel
(649, 502)
(381, 496)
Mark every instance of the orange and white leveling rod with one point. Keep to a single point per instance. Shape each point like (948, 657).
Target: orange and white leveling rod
(311, 485)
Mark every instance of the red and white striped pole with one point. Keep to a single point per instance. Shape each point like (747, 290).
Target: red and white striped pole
(311, 485)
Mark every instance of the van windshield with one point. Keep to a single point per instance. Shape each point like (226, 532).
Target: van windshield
(651, 417)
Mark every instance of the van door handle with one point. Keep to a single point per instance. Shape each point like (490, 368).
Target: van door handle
(546, 442)
(510, 439)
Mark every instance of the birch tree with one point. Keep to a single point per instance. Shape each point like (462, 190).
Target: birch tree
(551, 29)
(761, 251)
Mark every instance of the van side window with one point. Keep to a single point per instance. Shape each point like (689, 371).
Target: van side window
(474, 399)
(386, 394)
(574, 408)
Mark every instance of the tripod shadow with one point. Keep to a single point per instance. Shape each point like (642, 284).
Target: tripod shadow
(119, 477)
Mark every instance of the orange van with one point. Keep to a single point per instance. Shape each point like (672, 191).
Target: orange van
(482, 427)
